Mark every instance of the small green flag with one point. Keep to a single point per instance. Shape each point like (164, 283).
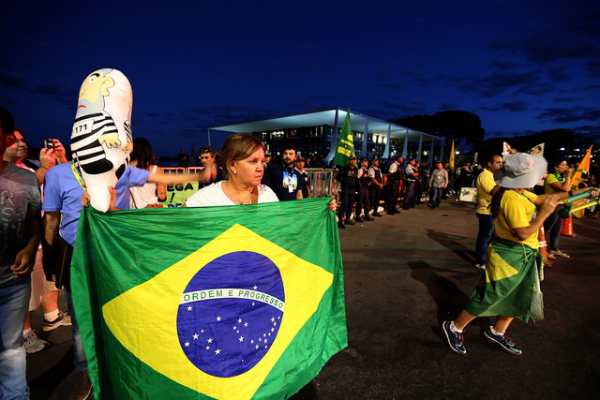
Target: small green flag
(209, 303)
(345, 145)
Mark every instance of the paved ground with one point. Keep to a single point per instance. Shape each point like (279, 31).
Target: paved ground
(403, 275)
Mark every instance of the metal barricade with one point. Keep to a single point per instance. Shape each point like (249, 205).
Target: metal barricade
(174, 170)
(323, 183)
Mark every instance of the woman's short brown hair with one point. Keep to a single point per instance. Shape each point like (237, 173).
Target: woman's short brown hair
(238, 147)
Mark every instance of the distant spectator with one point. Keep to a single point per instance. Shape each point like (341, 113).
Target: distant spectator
(376, 185)
(207, 158)
(348, 177)
(486, 189)
(438, 181)
(182, 159)
(300, 163)
(146, 196)
(193, 156)
(362, 202)
(412, 175)
(395, 179)
(265, 178)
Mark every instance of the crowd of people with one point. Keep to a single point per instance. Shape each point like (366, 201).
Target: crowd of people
(241, 173)
(237, 180)
(401, 185)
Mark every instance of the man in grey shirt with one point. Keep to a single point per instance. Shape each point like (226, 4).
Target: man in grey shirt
(438, 181)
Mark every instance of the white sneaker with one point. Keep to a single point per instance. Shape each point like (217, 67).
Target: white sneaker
(33, 343)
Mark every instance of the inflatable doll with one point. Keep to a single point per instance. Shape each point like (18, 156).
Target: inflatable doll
(101, 139)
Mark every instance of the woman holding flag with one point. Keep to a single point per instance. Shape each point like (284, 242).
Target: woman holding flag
(510, 285)
(243, 157)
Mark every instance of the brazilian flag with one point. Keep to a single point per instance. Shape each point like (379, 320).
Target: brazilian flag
(510, 285)
(234, 302)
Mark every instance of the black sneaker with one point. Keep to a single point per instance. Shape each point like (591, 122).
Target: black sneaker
(455, 340)
(348, 222)
(367, 218)
(377, 215)
(341, 225)
(358, 219)
(503, 340)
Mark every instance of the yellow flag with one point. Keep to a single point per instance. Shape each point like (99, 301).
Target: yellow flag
(584, 168)
(451, 162)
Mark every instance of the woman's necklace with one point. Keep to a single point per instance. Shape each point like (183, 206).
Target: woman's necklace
(235, 197)
(559, 176)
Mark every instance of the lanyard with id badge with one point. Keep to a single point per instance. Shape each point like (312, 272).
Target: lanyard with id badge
(290, 181)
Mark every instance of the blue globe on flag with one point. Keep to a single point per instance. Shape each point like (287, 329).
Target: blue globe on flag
(230, 313)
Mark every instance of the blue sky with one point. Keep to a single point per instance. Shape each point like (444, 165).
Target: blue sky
(522, 67)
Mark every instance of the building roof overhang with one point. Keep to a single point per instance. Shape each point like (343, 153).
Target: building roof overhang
(327, 117)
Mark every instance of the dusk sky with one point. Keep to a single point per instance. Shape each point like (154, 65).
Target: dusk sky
(521, 66)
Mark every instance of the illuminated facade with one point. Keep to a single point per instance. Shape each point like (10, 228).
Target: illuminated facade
(315, 134)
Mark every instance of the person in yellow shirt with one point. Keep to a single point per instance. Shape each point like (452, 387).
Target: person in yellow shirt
(557, 181)
(486, 188)
(510, 286)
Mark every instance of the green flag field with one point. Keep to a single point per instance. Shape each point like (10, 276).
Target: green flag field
(233, 302)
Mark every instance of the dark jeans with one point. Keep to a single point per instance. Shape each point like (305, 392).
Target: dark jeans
(346, 203)
(393, 195)
(374, 197)
(362, 202)
(409, 197)
(436, 195)
(484, 236)
(552, 228)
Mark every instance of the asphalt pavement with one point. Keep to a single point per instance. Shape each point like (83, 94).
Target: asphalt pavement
(406, 273)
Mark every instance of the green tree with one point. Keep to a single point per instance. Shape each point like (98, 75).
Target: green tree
(454, 124)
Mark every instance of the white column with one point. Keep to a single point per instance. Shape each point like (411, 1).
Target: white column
(334, 139)
(420, 148)
(430, 159)
(386, 152)
(405, 149)
(364, 148)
